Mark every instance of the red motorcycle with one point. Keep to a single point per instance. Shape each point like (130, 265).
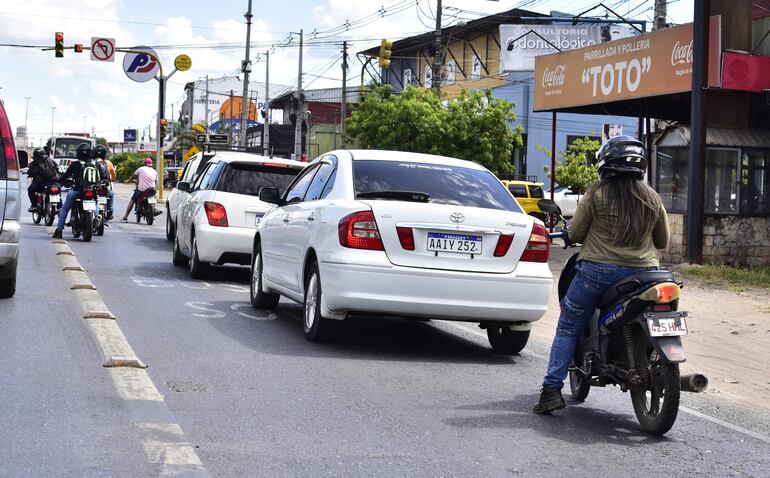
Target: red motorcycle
(48, 204)
(145, 207)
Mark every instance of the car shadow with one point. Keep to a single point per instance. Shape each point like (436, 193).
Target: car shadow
(579, 423)
(227, 273)
(279, 332)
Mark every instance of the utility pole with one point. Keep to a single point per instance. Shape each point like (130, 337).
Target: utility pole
(26, 112)
(437, 59)
(206, 121)
(52, 110)
(266, 119)
(246, 69)
(344, 100)
(230, 131)
(661, 13)
(172, 121)
(300, 105)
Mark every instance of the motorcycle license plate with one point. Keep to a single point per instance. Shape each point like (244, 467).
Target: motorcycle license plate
(462, 243)
(666, 324)
(54, 198)
(89, 206)
(102, 200)
(153, 201)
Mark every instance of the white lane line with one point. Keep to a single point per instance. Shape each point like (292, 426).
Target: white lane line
(725, 424)
(717, 421)
(169, 448)
(135, 384)
(483, 335)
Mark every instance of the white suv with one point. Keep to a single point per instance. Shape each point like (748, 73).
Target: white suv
(403, 234)
(10, 206)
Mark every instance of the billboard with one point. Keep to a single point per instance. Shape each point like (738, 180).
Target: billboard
(520, 46)
(130, 135)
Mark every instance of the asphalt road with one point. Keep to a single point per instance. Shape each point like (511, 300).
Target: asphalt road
(391, 398)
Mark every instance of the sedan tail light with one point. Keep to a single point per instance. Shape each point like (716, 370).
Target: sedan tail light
(216, 214)
(359, 231)
(406, 237)
(538, 247)
(503, 244)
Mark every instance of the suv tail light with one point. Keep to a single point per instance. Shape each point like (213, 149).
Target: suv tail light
(359, 231)
(216, 214)
(406, 237)
(11, 159)
(538, 247)
(503, 244)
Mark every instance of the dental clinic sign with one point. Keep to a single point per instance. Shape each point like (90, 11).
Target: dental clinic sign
(522, 43)
(657, 63)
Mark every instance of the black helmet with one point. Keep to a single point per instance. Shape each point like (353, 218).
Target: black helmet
(100, 151)
(622, 155)
(38, 154)
(83, 152)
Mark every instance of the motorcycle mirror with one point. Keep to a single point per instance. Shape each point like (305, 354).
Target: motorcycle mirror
(546, 205)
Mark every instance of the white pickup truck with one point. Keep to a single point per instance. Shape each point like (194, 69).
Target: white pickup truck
(10, 206)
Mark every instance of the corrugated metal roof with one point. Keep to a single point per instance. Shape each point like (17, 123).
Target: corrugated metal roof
(325, 95)
(735, 137)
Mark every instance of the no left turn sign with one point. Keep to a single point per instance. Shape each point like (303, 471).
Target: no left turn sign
(102, 49)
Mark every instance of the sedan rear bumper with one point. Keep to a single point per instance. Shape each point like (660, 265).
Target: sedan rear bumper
(521, 296)
(223, 244)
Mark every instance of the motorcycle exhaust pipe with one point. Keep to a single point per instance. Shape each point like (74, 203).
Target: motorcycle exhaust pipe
(694, 382)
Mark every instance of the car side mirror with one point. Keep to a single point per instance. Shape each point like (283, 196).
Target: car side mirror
(183, 186)
(23, 158)
(546, 205)
(270, 195)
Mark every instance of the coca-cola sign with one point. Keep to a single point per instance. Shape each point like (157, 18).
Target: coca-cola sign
(554, 77)
(681, 54)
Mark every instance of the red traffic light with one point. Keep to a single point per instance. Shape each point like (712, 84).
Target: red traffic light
(163, 122)
(78, 48)
(59, 36)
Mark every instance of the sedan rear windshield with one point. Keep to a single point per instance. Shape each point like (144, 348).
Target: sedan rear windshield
(444, 184)
(248, 179)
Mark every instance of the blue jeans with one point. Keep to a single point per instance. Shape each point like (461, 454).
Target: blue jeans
(110, 199)
(577, 308)
(65, 208)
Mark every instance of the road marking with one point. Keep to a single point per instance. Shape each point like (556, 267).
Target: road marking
(725, 424)
(164, 443)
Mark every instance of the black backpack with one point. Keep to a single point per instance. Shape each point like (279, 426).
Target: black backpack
(89, 175)
(103, 169)
(50, 170)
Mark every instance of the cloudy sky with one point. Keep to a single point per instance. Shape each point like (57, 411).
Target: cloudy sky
(213, 34)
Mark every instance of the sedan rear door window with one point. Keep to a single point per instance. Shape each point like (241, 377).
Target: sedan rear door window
(443, 184)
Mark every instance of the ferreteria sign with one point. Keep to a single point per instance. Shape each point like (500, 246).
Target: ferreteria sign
(520, 45)
(657, 63)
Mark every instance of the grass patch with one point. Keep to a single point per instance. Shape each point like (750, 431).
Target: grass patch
(740, 278)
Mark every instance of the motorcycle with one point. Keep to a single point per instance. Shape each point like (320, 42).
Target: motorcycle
(634, 341)
(48, 204)
(145, 207)
(83, 213)
(100, 218)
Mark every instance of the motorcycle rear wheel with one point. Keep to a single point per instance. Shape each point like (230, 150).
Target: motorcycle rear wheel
(150, 216)
(50, 215)
(579, 384)
(657, 406)
(36, 216)
(88, 223)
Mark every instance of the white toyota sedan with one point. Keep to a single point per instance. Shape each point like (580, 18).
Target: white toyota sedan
(217, 221)
(402, 234)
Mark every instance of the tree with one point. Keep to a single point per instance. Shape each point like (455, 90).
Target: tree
(472, 127)
(100, 140)
(573, 169)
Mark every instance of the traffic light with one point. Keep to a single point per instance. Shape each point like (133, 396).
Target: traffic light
(163, 125)
(78, 48)
(385, 46)
(59, 45)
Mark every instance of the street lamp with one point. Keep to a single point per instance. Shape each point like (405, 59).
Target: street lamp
(84, 123)
(52, 110)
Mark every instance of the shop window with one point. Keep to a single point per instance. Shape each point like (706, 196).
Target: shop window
(755, 182)
(721, 187)
(672, 178)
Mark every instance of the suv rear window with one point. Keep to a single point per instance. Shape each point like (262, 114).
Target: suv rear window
(248, 179)
(536, 192)
(444, 184)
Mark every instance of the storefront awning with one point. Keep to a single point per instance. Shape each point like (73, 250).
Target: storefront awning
(726, 137)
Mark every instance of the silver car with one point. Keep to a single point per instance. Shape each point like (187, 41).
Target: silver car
(10, 206)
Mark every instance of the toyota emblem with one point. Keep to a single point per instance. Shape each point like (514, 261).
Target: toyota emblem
(456, 217)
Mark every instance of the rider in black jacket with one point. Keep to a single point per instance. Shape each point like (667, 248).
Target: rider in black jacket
(43, 172)
(74, 176)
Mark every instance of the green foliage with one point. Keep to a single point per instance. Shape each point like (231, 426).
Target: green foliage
(100, 140)
(472, 127)
(572, 167)
(738, 278)
(126, 163)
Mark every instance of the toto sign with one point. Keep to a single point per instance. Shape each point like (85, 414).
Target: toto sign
(141, 66)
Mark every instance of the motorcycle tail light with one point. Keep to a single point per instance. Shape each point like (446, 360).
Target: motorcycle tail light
(54, 190)
(359, 231)
(664, 293)
(88, 194)
(216, 214)
(406, 237)
(538, 247)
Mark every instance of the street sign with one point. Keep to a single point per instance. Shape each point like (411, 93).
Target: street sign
(218, 139)
(141, 67)
(129, 135)
(102, 49)
(183, 62)
(201, 138)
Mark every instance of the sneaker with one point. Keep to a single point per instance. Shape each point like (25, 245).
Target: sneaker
(158, 212)
(124, 220)
(109, 215)
(32, 209)
(550, 400)
(57, 234)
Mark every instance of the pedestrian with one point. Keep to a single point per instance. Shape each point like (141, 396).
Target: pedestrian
(620, 221)
(146, 179)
